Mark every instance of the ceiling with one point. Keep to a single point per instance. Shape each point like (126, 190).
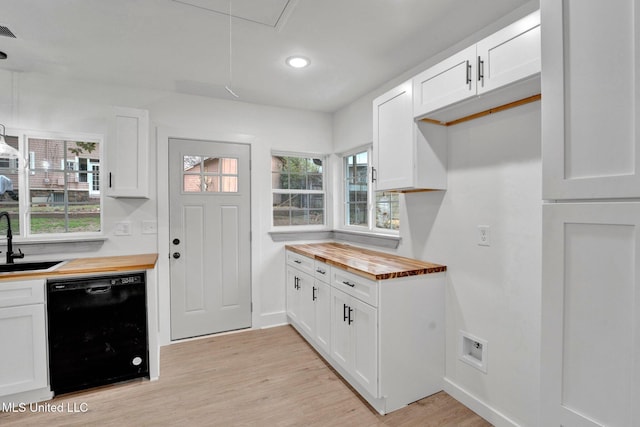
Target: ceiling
(183, 45)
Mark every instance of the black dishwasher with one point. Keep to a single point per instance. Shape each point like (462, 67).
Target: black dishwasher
(97, 331)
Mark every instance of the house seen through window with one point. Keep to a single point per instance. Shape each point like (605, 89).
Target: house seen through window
(57, 192)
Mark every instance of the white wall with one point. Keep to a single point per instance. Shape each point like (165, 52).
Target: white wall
(32, 101)
(494, 178)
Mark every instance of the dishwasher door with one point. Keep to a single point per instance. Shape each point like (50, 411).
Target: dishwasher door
(97, 331)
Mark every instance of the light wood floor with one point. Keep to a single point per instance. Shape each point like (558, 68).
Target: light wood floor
(265, 377)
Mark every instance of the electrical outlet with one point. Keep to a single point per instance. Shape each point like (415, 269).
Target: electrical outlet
(484, 237)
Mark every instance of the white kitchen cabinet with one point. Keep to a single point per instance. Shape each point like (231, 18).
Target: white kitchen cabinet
(385, 337)
(23, 357)
(591, 131)
(509, 55)
(590, 347)
(354, 332)
(590, 359)
(308, 299)
(128, 154)
(407, 156)
(446, 83)
(451, 89)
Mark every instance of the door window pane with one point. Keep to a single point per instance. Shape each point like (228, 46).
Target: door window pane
(210, 175)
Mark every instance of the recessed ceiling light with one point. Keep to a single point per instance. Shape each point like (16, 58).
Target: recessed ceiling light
(298, 61)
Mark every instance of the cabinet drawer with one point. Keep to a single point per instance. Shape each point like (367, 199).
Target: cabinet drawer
(322, 271)
(300, 262)
(364, 289)
(21, 293)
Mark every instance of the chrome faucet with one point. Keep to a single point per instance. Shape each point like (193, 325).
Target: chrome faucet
(10, 254)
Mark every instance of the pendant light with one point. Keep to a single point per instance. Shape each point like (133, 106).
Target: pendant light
(228, 86)
(7, 151)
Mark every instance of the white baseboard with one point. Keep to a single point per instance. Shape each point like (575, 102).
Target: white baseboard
(269, 320)
(487, 412)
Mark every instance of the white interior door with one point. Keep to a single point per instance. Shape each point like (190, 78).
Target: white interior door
(209, 220)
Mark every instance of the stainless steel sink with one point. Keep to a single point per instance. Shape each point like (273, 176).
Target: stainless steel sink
(29, 266)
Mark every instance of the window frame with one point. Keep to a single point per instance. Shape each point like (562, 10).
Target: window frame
(370, 228)
(24, 203)
(325, 185)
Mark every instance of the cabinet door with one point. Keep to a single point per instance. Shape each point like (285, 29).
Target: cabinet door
(128, 154)
(23, 358)
(446, 83)
(340, 329)
(365, 345)
(293, 295)
(509, 55)
(590, 359)
(323, 315)
(307, 315)
(591, 124)
(393, 139)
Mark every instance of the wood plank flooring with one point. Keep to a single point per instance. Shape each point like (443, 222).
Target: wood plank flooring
(269, 377)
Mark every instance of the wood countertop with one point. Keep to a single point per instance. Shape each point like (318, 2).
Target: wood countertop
(78, 266)
(371, 264)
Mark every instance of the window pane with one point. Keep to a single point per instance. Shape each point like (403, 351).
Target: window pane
(230, 166)
(387, 210)
(356, 189)
(229, 184)
(9, 191)
(212, 184)
(191, 163)
(192, 183)
(281, 209)
(211, 165)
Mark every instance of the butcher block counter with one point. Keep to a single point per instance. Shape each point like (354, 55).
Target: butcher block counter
(78, 266)
(371, 264)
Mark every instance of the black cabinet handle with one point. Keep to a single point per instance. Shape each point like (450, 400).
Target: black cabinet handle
(319, 270)
(313, 294)
(468, 72)
(350, 319)
(176, 241)
(349, 284)
(110, 186)
(480, 70)
(344, 312)
(297, 261)
(176, 255)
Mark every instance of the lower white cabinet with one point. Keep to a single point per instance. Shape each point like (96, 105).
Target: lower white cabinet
(385, 337)
(354, 344)
(23, 355)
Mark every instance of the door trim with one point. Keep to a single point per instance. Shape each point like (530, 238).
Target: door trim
(163, 134)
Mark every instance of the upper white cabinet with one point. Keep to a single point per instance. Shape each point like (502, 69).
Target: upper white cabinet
(405, 158)
(128, 154)
(446, 83)
(508, 56)
(591, 132)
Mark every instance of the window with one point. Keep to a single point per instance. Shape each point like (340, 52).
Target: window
(56, 192)
(209, 174)
(298, 187)
(358, 193)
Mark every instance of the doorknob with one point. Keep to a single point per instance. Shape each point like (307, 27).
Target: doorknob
(176, 255)
(176, 241)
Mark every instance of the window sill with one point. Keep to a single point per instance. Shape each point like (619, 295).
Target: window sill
(360, 237)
